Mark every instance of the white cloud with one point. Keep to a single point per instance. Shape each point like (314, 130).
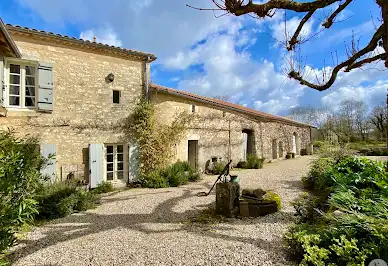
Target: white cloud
(159, 27)
(372, 94)
(103, 35)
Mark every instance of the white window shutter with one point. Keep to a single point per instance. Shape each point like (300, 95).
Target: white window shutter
(244, 146)
(45, 86)
(50, 169)
(96, 164)
(133, 161)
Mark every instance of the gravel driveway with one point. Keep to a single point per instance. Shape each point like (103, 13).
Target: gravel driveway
(147, 227)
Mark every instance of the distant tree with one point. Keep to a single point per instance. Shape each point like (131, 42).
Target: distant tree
(355, 57)
(315, 116)
(378, 118)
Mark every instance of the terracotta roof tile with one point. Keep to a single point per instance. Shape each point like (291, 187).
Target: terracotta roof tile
(228, 105)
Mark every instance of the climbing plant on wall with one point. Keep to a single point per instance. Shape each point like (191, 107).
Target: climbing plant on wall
(155, 138)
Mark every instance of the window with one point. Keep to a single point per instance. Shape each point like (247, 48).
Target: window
(223, 114)
(116, 96)
(21, 85)
(114, 162)
(193, 108)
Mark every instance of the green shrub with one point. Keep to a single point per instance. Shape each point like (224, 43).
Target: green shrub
(242, 164)
(104, 187)
(86, 200)
(177, 174)
(154, 179)
(288, 156)
(346, 213)
(269, 195)
(20, 177)
(194, 177)
(254, 162)
(219, 168)
(64, 198)
(318, 174)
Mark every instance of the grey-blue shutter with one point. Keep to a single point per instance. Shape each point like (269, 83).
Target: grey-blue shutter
(45, 86)
(96, 164)
(133, 162)
(50, 169)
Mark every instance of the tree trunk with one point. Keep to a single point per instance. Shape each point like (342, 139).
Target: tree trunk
(384, 13)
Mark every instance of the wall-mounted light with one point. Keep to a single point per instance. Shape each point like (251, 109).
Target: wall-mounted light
(110, 77)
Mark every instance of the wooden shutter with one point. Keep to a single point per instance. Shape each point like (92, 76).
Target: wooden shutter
(45, 86)
(133, 162)
(96, 164)
(50, 170)
(244, 146)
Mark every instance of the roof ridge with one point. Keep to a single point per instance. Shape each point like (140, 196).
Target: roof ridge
(81, 41)
(229, 105)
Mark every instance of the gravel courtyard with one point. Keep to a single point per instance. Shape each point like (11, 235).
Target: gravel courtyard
(149, 227)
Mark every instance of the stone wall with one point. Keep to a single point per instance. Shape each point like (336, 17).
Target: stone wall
(210, 126)
(83, 108)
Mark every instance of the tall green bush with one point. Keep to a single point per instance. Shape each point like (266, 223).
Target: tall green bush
(344, 217)
(20, 164)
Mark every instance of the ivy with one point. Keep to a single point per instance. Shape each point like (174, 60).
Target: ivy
(156, 139)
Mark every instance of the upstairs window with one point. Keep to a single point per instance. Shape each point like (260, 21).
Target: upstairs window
(116, 96)
(192, 108)
(21, 85)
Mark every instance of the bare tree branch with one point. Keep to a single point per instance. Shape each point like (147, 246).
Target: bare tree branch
(369, 48)
(330, 20)
(366, 61)
(294, 39)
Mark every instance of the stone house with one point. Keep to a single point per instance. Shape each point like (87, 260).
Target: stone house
(70, 94)
(73, 96)
(221, 130)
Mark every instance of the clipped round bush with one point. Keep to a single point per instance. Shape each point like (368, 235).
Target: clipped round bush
(271, 196)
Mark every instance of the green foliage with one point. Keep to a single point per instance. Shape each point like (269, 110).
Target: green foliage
(194, 177)
(64, 198)
(269, 195)
(347, 209)
(319, 144)
(20, 177)
(254, 162)
(177, 174)
(174, 175)
(155, 139)
(104, 187)
(317, 175)
(154, 179)
(218, 168)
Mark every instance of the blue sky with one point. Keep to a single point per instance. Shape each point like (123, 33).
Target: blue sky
(237, 57)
